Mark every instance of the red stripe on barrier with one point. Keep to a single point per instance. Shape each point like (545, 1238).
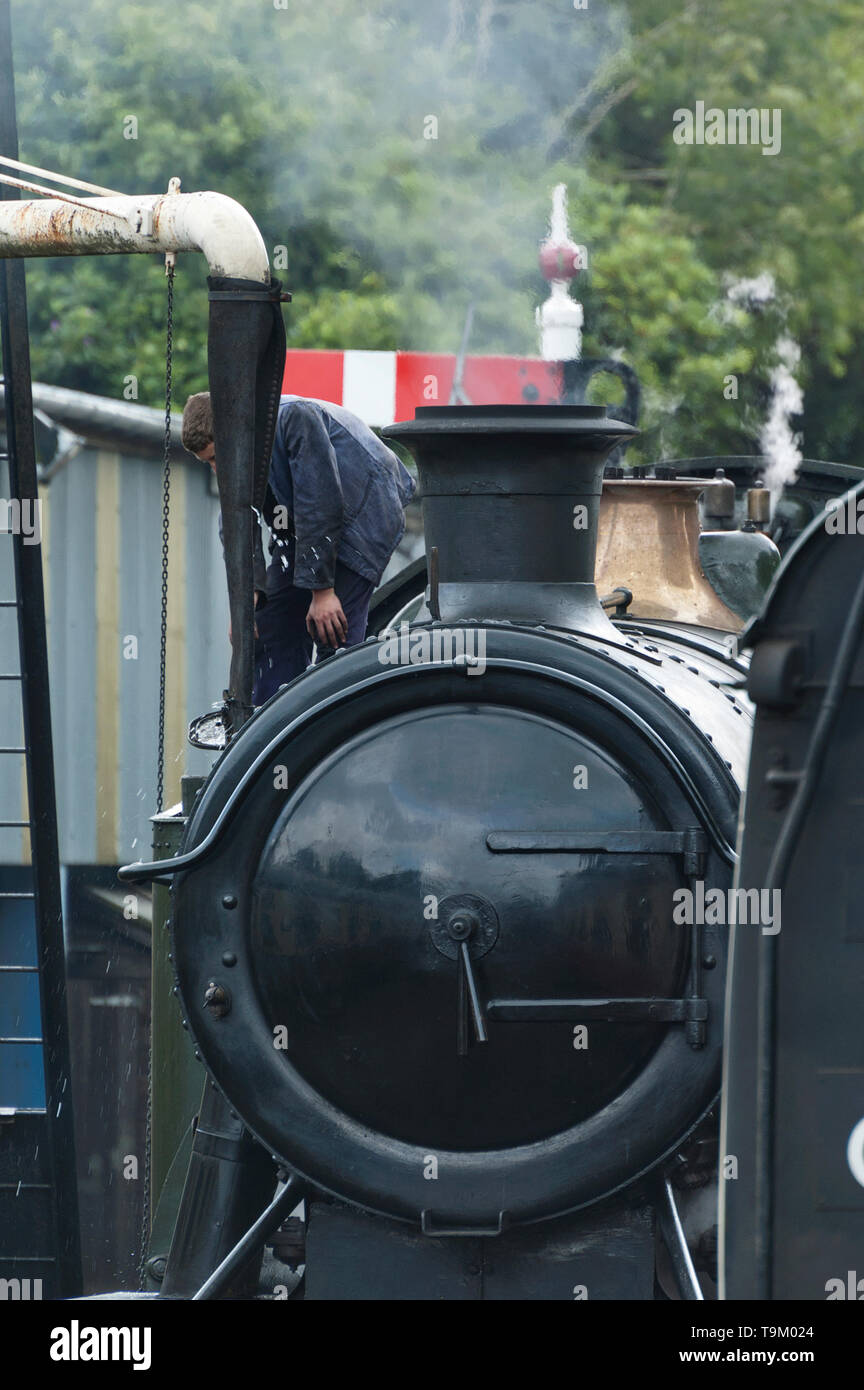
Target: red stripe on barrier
(426, 378)
(313, 373)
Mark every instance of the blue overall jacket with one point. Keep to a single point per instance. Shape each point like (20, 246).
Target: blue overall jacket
(342, 495)
(343, 490)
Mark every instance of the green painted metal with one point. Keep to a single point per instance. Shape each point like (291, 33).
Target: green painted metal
(176, 1077)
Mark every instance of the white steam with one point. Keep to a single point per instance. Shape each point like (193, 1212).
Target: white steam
(780, 446)
(777, 441)
(559, 229)
(759, 290)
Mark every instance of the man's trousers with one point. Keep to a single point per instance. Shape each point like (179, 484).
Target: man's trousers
(284, 648)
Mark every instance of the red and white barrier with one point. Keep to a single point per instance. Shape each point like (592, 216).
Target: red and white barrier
(382, 387)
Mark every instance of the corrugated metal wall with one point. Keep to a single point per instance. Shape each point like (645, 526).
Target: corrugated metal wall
(101, 523)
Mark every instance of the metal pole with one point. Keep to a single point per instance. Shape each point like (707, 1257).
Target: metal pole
(36, 704)
(676, 1244)
(282, 1205)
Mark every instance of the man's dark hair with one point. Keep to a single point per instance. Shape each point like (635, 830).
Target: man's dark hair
(197, 430)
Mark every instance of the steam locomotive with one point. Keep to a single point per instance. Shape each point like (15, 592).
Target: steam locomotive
(422, 921)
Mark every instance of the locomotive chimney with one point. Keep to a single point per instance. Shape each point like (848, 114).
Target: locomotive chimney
(510, 501)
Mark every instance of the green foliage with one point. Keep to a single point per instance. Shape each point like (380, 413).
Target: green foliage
(316, 118)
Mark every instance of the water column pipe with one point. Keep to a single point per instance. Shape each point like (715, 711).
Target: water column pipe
(246, 347)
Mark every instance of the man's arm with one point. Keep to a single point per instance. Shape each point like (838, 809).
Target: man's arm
(318, 504)
(325, 621)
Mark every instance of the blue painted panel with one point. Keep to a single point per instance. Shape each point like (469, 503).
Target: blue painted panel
(22, 1080)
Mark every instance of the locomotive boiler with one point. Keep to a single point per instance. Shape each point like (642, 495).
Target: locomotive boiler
(422, 920)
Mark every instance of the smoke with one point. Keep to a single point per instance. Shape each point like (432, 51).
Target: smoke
(753, 293)
(429, 153)
(778, 443)
(780, 446)
(559, 227)
(397, 157)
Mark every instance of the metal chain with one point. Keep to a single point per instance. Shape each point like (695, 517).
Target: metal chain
(160, 753)
(166, 495)
(144, 1239)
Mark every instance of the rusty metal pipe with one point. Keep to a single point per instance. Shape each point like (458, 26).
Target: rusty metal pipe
(212, 223)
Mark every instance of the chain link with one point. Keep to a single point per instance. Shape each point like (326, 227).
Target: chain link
(166, 497)
(160, 751)
(148, 1145)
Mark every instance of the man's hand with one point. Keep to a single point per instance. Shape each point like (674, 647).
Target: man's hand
(254, 605)
(325, 620)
